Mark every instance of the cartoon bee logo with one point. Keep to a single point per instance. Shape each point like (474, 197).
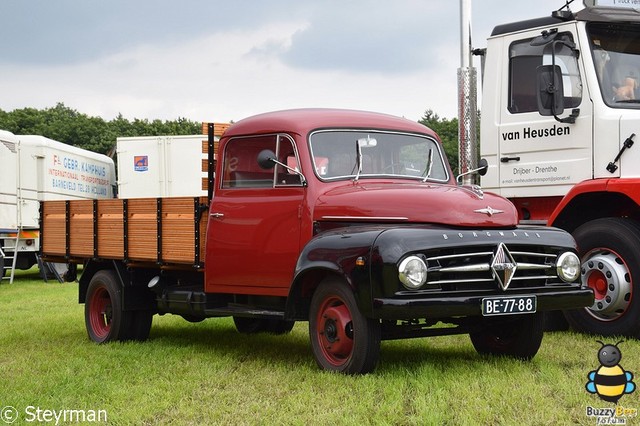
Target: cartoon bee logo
(610, 381)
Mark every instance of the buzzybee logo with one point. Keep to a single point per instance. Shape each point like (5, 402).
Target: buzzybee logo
(610, 381)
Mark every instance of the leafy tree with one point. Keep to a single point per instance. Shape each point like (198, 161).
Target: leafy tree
(447, 129)
(67, 125)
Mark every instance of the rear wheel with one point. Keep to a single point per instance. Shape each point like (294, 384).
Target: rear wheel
(105, 318)
(342, 338)
(610, 256)
(518, 337)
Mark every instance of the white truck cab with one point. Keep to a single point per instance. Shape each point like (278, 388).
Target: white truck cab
(560, 115)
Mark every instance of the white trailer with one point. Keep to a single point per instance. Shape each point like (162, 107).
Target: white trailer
(35, 168)
(161, 166)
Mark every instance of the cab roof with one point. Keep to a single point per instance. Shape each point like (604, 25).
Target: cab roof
(303, 121)
(592, 14)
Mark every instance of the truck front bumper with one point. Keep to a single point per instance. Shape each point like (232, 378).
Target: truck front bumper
(468, 303)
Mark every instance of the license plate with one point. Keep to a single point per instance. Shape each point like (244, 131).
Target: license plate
(509, 305)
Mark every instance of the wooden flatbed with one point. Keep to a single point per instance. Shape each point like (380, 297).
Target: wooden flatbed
(162, 231)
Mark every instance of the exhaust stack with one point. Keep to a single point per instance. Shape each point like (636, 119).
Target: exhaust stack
(467, 99)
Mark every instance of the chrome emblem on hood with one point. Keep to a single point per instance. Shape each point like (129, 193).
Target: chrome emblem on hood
(489, 211)
(503, 266)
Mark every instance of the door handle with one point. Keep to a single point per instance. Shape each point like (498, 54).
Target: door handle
(217, 215)
(507, 159)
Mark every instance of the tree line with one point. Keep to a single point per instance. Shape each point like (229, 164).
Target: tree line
(69, 126)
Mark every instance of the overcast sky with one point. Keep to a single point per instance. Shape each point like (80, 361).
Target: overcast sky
(225, 60)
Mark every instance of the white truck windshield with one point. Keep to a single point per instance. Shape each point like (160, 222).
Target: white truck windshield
(616, 55)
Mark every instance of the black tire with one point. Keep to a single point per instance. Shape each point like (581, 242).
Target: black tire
(140, 326)
(519, 336)
(342, 339)
(555, 321)
(105, 319)
(610, 255)
(246, 325)
(280, 326)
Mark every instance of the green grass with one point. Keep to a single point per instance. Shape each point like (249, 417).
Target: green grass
(207, 373)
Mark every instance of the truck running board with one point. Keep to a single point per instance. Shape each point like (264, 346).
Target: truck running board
(193, 302)
(242, 311)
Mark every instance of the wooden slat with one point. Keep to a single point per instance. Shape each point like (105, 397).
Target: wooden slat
(110, 229)
(54, 226)
(142, 229)
(205, 147)
(178, 232)
(218, 128)
(81, 228)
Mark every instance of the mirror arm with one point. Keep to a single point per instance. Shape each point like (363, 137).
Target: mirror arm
(291, 169)
(484, 167)
(571, 119)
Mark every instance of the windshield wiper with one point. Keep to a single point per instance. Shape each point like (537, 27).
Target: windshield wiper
(628, 101)
(358, 165)
(427, 170)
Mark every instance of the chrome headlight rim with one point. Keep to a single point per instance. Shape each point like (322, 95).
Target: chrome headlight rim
(568, 267)
(411, 278)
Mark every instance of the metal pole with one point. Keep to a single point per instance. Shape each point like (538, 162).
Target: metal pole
(467, 98)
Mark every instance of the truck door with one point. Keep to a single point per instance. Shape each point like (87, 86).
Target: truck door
(253, 234)
(538, 155)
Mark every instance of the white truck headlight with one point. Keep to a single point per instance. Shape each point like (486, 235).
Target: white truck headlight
(568, 266)
(412, 272)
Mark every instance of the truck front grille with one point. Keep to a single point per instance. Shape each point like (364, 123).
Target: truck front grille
(488, 267)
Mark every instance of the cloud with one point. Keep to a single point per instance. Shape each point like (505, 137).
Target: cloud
(63, 31)
(365, 37)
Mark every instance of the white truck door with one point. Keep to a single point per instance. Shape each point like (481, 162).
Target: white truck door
(537, 155)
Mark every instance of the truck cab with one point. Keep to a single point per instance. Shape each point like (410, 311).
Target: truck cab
(560, 115)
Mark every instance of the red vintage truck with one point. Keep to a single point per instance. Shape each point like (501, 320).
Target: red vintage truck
(349, 220)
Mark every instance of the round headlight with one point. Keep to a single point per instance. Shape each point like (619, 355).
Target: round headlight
(568, 267)
(412, 272)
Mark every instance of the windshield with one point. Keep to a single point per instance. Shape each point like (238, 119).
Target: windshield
(382, 154)
(616, 55)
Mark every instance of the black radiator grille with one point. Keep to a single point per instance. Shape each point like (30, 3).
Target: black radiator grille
(465, 269)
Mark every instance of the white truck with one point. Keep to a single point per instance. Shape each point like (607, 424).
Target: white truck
(560, 115)
(34, 169)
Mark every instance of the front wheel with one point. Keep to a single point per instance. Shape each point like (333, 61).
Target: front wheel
(610, 256)
(342, 339)
(518, 337)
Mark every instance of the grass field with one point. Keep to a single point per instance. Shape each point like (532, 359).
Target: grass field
(207, 373)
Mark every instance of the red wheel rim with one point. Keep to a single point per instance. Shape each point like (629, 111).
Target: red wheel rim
(334, 329)
(100, 312)
(598, 283)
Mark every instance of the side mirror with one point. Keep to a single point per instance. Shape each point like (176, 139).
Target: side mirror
(483, 166)
(550, 90)
(266, 159)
